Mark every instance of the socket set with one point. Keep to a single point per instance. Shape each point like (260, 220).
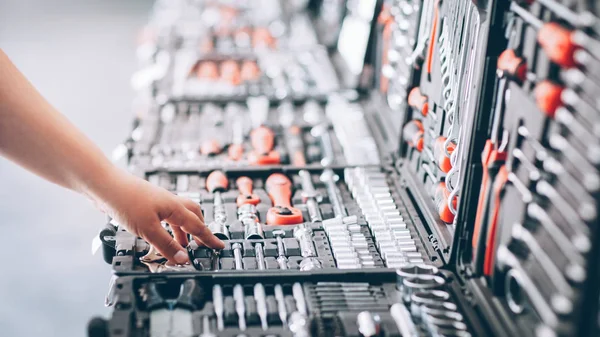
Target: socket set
(313, 221)
(413, 301)
(421, 168)
(255, 132)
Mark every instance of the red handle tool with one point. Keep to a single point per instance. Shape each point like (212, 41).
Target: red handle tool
(279, 188)
(263, 140)
(246, 196)
(217, 182)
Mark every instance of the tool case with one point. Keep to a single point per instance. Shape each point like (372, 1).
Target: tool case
(479, 217)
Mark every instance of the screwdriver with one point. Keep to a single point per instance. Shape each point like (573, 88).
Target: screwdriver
(548, 97)
(279, 188)
(230, 72)
(554, 39)
(440, 196)
(217, 182)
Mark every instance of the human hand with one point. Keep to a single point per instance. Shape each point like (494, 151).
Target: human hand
(140, 207)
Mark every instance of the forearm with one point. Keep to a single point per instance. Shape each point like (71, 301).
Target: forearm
(39, 138)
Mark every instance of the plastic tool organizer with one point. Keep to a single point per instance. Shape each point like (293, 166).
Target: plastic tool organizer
(476, 216)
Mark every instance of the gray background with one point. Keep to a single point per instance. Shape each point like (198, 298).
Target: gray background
(80, 56)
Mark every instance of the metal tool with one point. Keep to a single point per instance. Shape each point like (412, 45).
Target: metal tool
(330, 178)
(278, 290)
(279, 188)
(172, 319)
(303, 233)
(237, 255)
(403, 320)
(260, 256)
(217, 298)
(261, 304)
(238, 297)
(281, 259)
(217, 182)
(310, 197)
(321, 132)
(206, 327)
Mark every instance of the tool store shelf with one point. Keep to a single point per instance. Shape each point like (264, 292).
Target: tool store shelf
(437, 161)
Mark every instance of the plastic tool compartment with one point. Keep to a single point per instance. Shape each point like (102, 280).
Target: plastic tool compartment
(525, 238)
(341, 304)
(308, 220)
(188, 135)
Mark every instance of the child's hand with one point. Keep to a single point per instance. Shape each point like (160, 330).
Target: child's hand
(141, 206)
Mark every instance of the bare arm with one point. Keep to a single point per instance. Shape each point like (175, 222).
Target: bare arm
(39, 138)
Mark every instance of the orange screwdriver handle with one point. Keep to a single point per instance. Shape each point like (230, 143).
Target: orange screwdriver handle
(210, 147)
(499, 183)
(556, 42)
(513, 65)
(235, 152)
(244, 185)
(279, 188)
(413, 134)
(217, 182)
(271, 158)
(418, 101)
(440, 156)
(441, 196)
(548, 97)
(262, 139)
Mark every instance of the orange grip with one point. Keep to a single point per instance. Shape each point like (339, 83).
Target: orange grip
(413, 134)
(235, 152)
(548, 97)
(279, 188)
(250, 71)
(208, 70)
(441, 158)
(207, 45)
(556, 42)
(230, 72)
(262, 139)
(210, 147)
(501, 180)
(217, 181)
(244, 185)
(271, 158)
(262, 37)
(419, 101)
(440, 197)
(515, 66)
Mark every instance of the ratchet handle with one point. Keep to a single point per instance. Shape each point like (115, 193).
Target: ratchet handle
(279, 188)
(246, 196)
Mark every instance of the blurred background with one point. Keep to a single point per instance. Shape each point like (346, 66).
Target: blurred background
(80, 56)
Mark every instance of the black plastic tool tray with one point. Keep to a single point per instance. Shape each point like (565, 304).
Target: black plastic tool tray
(326, 315)
(123, 250)
(158, 134)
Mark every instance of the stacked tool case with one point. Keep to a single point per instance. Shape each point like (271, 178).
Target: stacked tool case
(374, 168)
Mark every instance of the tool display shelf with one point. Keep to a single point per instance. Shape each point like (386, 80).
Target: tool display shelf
(318, 305)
